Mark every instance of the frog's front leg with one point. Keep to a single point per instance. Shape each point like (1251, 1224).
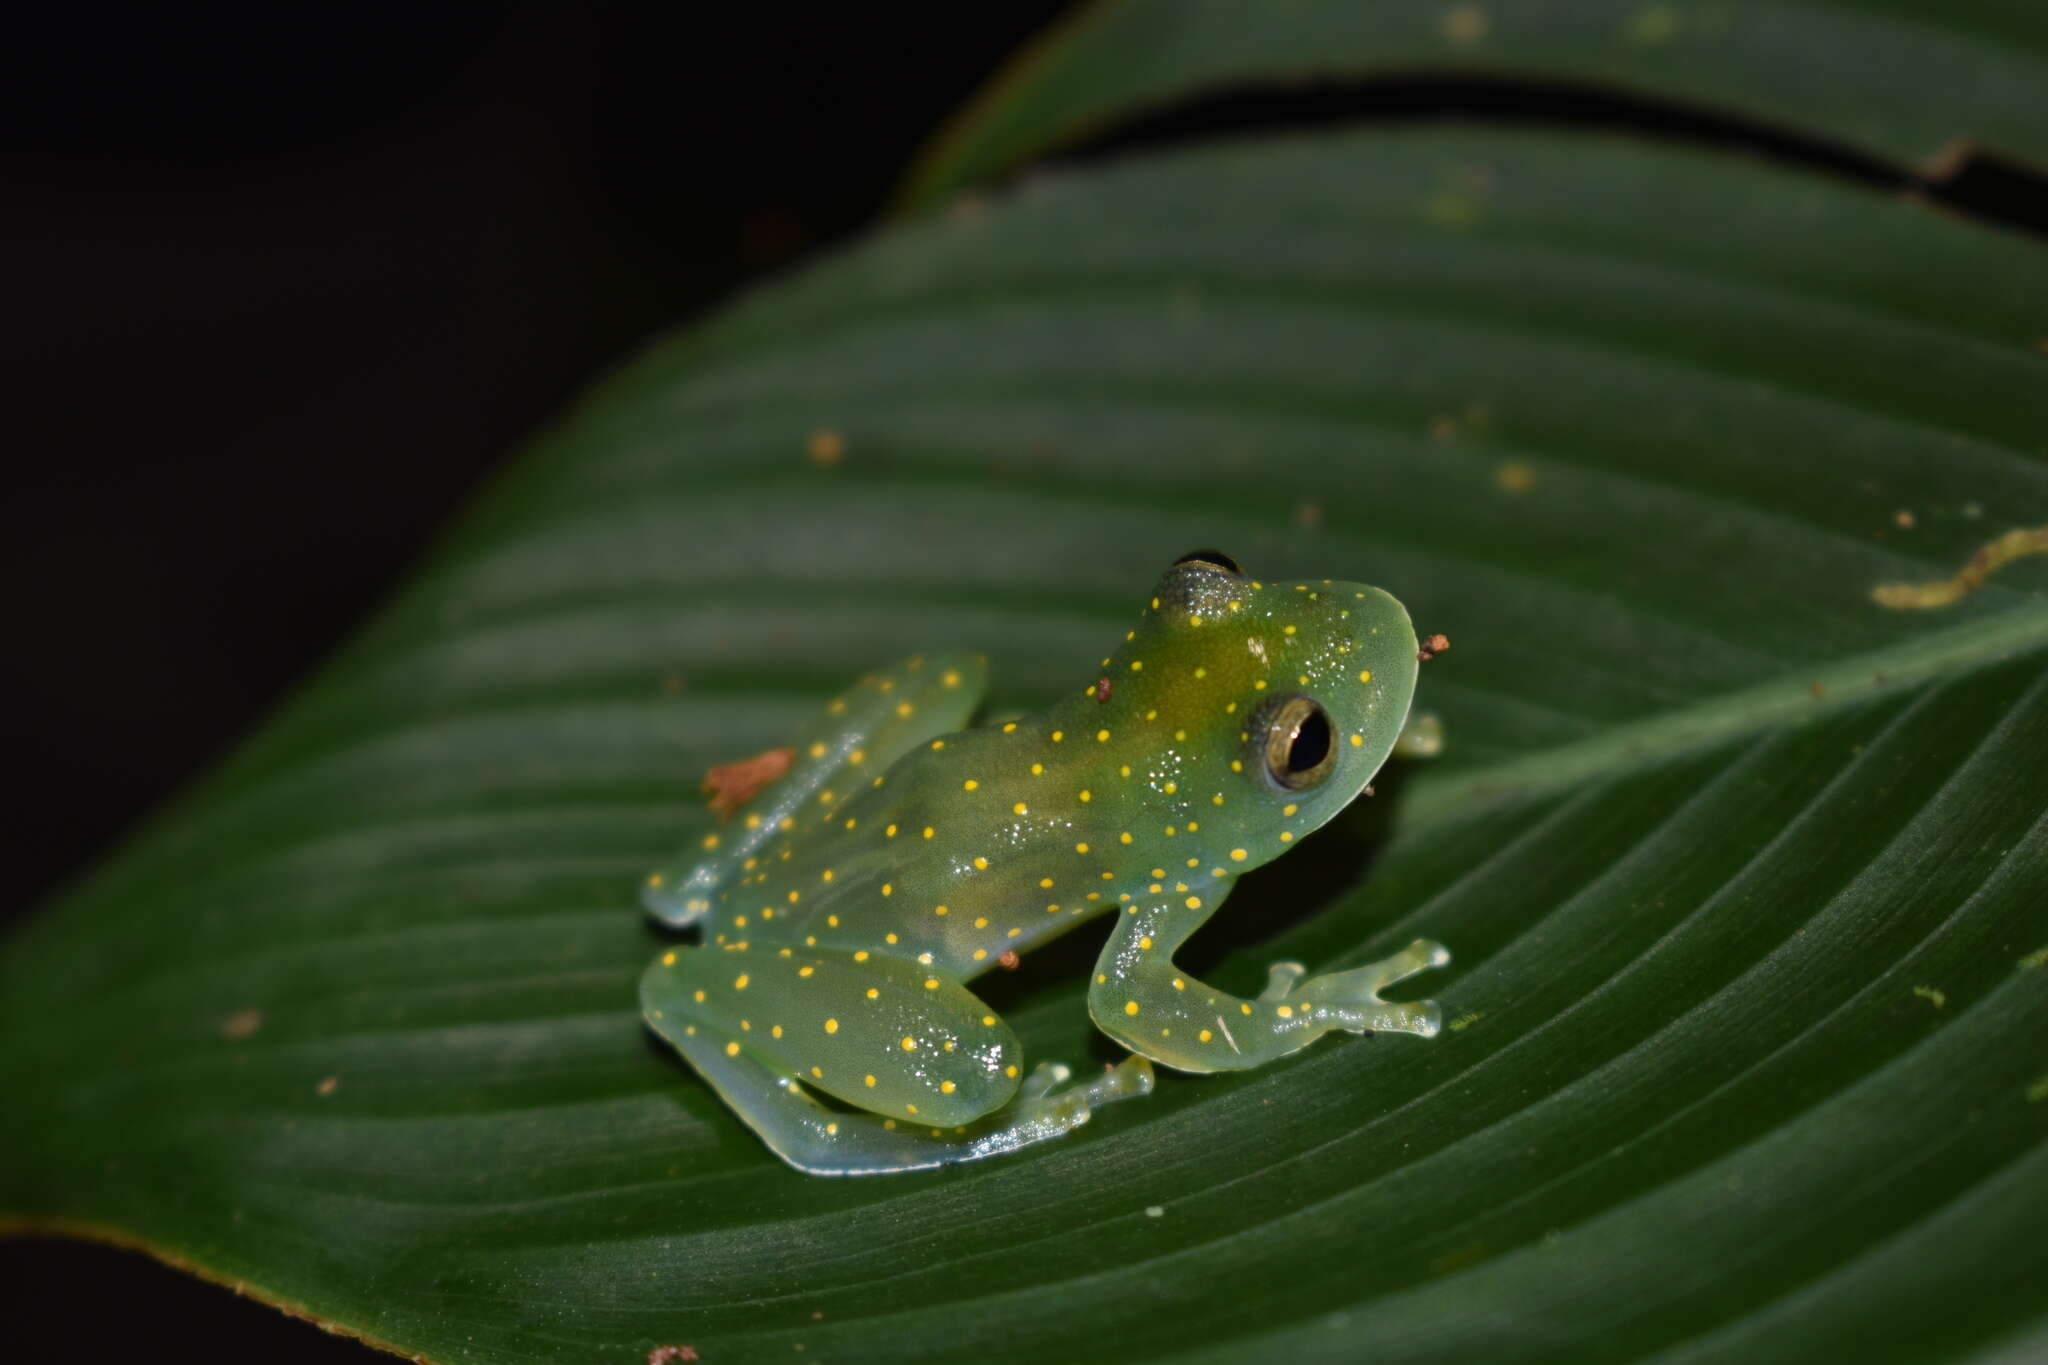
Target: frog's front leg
(929, 1064)
(1421, 737)
(1150, 1006)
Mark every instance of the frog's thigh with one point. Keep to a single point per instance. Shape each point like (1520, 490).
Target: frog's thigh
(890, 1036)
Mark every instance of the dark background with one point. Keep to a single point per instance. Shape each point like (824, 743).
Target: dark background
(285, 284)
(282, 285)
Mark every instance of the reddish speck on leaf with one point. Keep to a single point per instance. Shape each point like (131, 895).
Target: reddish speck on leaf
(662, 1355)
(1009, 960)
(1432, 645)
(1102, 689)
(732, 785)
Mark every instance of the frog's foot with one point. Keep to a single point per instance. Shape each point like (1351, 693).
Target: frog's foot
(1351, 1000)
(1280, 980)
(1421, 737)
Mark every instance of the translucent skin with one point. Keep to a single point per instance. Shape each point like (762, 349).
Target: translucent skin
(847, 905)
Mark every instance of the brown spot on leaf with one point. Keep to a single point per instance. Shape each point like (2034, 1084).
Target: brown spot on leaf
(241, 1024)
(825, 448)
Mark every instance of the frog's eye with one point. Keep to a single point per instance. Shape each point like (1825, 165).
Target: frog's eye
(1214, 559)
(1293, 735)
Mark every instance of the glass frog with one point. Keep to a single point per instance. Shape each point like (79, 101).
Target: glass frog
(847, 905)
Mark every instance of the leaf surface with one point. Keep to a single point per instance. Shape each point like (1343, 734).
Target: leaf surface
(1743, 871)
(1900, 80)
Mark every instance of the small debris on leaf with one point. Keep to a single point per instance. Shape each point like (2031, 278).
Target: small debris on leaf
(732, 785)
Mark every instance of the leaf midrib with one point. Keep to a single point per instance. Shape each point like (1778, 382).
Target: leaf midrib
(1789, 699)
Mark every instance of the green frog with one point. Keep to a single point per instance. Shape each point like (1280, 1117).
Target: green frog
(849, 903)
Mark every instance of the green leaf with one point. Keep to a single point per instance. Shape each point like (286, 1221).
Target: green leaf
(1742, 870)
(1905, 80)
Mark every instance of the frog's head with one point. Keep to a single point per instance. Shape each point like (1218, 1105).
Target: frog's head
(1281, 699)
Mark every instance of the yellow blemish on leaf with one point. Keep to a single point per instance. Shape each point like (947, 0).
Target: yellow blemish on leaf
(1931, 995)
(1989, 559)
(1465, 1021)
(1463, 24)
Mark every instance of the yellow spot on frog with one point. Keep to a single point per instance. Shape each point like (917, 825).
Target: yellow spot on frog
(732, 1049)
(831, 1026)
(1365, 675)
(909, 1043)
(947, 1087)
(969, 785)
(1130, 1007)
(740, 982)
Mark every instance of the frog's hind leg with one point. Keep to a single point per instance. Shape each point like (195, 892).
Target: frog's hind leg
(843, 750)
(766, 1043)
(819, 1140)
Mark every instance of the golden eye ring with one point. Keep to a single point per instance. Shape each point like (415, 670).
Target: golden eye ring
(1294, 740)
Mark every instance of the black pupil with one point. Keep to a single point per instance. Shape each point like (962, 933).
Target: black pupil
(1311, 743)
